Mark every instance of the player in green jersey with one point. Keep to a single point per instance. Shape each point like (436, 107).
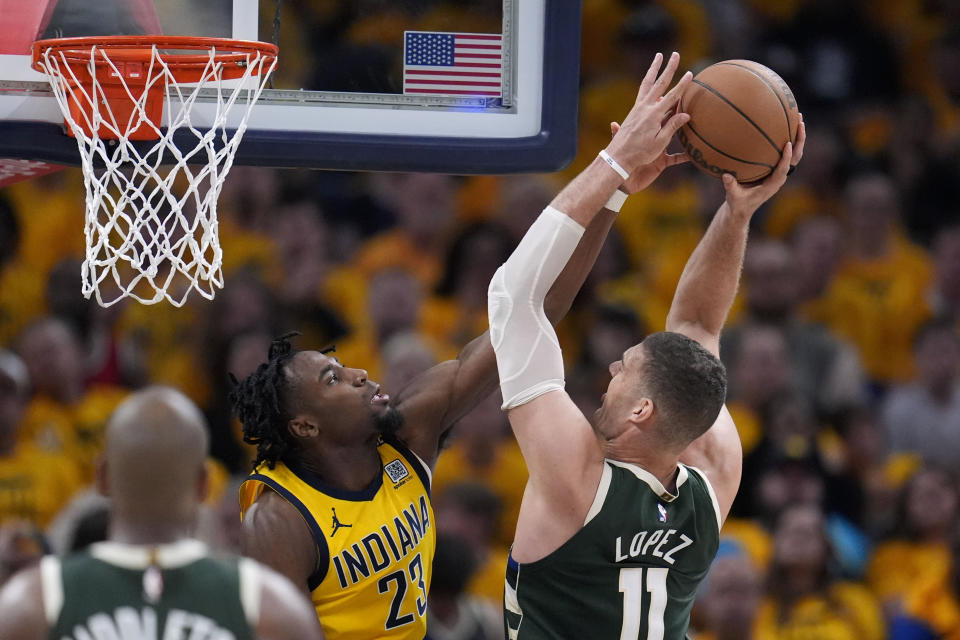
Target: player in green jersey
(151, 581)
(621, 514)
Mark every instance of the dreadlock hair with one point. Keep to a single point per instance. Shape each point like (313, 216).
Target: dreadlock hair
(260, 403)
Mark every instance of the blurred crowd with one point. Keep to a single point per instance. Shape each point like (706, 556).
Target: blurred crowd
(843, 350)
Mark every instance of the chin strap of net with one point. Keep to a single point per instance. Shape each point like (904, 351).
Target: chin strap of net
(151, 204)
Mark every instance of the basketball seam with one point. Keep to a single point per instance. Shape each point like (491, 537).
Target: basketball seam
(724, 153)
(769, 84)
(737, 109)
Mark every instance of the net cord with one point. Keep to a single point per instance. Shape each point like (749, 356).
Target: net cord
(148, 236)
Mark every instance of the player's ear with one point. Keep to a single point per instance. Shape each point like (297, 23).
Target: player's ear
(100, 480)
(303, 427)
(642, 412)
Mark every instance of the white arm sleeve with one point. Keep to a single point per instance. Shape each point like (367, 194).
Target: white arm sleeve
(528, 353)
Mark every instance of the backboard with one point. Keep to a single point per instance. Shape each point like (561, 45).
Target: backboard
(455, 86)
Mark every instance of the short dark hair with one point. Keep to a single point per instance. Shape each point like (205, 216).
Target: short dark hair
(687, 383)
(260, 403)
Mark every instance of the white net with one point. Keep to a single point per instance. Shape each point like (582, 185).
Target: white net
(151, 205)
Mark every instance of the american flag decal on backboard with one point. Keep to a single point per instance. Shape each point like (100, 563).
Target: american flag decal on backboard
(455, 64)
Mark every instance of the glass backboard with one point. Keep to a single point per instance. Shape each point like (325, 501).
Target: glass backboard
(461, 86)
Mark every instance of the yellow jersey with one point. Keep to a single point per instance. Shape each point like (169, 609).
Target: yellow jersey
(375, 546)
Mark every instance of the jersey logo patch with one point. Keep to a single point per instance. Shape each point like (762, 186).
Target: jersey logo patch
(662, 512)
(396, 470)
(337, 525)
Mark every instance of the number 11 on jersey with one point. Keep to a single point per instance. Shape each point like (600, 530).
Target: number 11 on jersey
(632, 587)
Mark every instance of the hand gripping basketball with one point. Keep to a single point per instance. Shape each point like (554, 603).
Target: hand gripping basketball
(744, 199)
(648, 128)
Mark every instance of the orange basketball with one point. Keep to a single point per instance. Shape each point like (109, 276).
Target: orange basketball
(741, 116)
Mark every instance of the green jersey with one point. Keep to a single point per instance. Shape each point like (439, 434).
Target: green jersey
(632, 570)
(126, 592)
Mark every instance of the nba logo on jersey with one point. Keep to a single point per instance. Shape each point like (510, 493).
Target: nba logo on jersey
(663, 512)
(396, 470)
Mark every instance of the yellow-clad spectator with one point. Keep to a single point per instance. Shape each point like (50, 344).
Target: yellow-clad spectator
(484, 453)
(876, 300)
(751, 538)
(803, 599)
(817, 244)
(470, 511)
(458, 309)
(729, 598)
(919, 559)
(424, 204)
(34, 484)
(161, 343)
(21, 285)
(639, 36)
(54, 359)
(394, 299)
(759, 368)
(64, 415)
(51, 210)
(815, 190)
(824, 369)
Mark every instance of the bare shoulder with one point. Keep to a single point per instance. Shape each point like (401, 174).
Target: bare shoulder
(275, 533)
(21, 607)
(285, 611)
(718, 455)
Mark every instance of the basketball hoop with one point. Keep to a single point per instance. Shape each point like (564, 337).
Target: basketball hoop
(151, 217)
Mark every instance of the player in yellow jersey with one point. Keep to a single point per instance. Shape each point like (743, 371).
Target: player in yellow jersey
(339, 500)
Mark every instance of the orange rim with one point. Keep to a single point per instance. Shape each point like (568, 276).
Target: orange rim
(232, 53)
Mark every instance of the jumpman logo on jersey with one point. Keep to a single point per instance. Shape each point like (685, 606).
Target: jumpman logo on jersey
(337, 525)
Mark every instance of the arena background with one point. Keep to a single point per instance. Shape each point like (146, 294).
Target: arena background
(843, 350)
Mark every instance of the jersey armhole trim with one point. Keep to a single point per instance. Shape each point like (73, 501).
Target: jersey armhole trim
(713, 496)
(323, 551)
(51, 584)
(601, 496)
(419, 466)
(250, 589)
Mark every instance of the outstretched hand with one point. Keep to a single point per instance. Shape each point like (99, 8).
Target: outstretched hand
(746, 199)
(643, 137)
(644, 176)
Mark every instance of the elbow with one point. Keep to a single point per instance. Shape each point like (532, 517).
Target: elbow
(556, 311)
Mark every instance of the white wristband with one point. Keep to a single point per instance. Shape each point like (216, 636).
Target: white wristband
(613, 164)
(616, 201)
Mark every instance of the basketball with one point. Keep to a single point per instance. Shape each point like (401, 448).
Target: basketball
(741, 116)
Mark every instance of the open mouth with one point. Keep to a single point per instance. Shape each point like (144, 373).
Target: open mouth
(379, 398)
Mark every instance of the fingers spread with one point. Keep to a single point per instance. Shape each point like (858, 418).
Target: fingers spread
(677, 158)
(673, 96)
(650, 76)
(667, 76)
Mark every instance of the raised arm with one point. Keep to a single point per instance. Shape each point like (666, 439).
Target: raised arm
(562, 453)
(434, 401)
(702, 301)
